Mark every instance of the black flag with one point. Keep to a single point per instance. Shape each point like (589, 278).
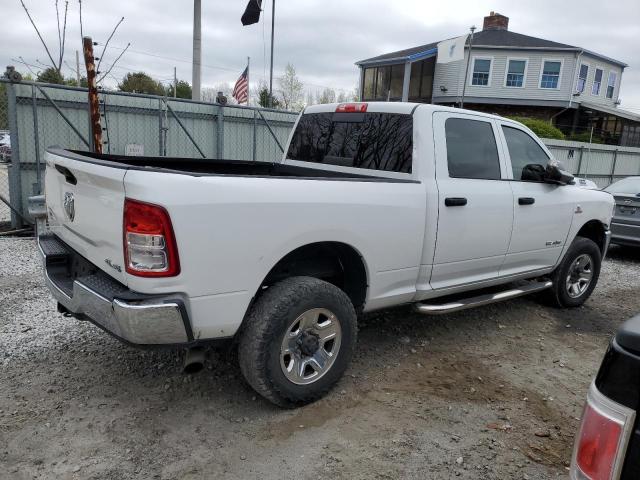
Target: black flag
(252, 13)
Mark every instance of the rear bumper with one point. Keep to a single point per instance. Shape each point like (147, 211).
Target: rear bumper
(625, 233)
(85, 292)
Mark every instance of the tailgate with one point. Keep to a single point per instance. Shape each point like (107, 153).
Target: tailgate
(84, 207)
(628, 208)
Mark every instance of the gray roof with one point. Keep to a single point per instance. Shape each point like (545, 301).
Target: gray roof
(491, 39)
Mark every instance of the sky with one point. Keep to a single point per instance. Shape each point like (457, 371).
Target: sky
(322, 39)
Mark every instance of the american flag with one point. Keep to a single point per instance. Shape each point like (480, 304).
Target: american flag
(241, 90)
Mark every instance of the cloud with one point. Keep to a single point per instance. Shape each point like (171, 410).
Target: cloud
(322, 39)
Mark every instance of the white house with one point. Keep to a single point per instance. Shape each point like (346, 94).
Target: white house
(511, 74)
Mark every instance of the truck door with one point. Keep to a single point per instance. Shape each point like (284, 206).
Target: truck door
(475, 203)
(542, 212)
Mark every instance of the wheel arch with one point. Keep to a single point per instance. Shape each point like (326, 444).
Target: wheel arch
(595, 230)
(338, 263)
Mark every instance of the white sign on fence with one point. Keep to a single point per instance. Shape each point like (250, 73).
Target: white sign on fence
(134, 150)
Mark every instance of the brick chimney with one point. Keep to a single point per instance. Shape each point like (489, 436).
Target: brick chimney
(495, 21)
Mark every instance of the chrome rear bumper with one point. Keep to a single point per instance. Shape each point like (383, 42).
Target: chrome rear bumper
(91, 294)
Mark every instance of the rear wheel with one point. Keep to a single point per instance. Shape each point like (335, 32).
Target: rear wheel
(577, 275)
(297, 340)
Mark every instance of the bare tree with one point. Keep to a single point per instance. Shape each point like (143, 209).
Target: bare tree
(62, 34)
(328, 95)
(61, 21)
(291, 89)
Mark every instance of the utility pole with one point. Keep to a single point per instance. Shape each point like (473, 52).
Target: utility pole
(197, 49)
(78, 67)
(466, 71)
(94, 104)
(175, 83)
(273, 24)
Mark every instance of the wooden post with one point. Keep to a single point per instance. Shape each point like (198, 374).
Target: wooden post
(94, 104)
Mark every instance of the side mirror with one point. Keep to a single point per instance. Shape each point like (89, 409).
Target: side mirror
(555, 174)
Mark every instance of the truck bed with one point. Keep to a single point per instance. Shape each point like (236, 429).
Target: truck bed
(210, 166)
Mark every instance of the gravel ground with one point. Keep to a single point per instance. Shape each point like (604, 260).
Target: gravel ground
(492, 393)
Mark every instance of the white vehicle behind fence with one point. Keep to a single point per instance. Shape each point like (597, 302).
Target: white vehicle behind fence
(372, 206)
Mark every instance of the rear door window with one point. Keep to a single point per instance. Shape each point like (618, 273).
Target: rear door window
(471, 149)
(375, 141)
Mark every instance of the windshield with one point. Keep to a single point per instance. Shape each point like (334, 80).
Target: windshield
(626, 186)
(377, 141)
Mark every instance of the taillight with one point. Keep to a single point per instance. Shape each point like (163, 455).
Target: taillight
(149, 243)
(352, 108)
(602, 439)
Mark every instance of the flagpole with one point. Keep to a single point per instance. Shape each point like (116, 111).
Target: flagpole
(273, 23)
(248, 84)
(466, 71)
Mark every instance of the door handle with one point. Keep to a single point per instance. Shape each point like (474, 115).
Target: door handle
(455, 201)
(526, 201)
(68, 176)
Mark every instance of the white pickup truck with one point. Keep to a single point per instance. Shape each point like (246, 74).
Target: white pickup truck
(373, 205)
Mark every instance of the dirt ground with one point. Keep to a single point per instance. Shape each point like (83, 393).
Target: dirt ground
(492, 393)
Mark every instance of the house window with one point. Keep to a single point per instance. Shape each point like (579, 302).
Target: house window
(421, 83)
(369, 83)
(383, 83)
(515, 73)
(582, 77)
(481, 72)
(550, 77)
(597, 82)
(611, 84)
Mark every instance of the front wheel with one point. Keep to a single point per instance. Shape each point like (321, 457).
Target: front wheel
(577, 275)
(297, 340)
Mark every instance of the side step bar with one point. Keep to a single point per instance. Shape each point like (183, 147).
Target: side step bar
(471, 302)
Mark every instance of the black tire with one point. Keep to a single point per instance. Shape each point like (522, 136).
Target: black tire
(264, 330)
(559, 294)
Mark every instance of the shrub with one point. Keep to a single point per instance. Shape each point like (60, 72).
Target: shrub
(540, 127)
(585, 137)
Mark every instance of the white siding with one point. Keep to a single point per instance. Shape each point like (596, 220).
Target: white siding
(607, 67)
(450, 75)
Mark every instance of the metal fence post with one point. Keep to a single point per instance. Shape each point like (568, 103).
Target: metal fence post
(613, 165)
(255, 135)
(160, 139)
(15, 171)
(220, 133)
(580, 161)
(36, 137)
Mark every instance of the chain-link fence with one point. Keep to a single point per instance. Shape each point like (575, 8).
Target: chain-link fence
(38, 116)
(5, 157)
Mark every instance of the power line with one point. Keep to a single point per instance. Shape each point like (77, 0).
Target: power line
(215, 67)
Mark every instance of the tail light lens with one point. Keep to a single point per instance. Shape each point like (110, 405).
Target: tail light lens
(352, 108)
(149, 243)
(602, 439)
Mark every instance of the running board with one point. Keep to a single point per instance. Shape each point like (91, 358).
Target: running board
(480, 300)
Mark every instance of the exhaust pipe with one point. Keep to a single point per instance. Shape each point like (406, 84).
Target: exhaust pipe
(194, 360)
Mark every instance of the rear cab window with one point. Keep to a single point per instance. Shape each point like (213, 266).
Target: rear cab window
(372, 140)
